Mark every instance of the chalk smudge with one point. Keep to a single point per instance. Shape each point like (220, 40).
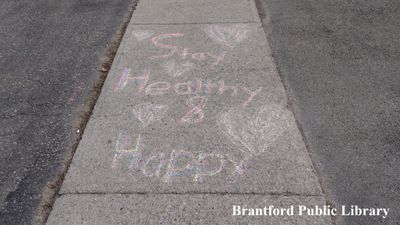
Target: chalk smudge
(75, 92)
(204, 164)
(175, 69)
(254, 133)
(227, 35)
(148, 113)
(142, 34)
(157, 161)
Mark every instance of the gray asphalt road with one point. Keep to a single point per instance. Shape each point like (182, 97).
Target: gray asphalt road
(50, 52)
(340, 61)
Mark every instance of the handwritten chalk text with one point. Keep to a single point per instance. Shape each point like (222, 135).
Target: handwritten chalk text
(183, 52)
(170, 165)
(191, 87)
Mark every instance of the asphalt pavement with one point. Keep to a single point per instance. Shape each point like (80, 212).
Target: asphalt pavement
(340, 63)
(50, 54)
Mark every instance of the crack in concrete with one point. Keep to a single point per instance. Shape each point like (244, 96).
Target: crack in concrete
(286, 194)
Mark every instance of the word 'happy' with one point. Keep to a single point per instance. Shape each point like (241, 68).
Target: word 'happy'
(177, 163)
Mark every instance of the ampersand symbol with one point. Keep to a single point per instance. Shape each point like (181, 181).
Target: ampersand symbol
(195, 112)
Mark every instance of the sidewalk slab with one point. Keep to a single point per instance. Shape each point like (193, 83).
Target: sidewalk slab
(177, 209)
(195, 56)
(171, 120)
(255, 150)
(206, 46)
(194, 11)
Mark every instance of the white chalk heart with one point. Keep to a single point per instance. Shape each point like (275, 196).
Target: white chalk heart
(148, 113)
(142, 34)
(254, 132)
(228, 35)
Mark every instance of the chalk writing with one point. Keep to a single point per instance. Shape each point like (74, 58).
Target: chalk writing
(184, 52)
(193, 87)
(251, 95)
(197, 90)
(205, 169)
(250, 131)
(195, 112)
(227, 35)
(126, 76)
(122, 150)
(152, 166)
(178, 163)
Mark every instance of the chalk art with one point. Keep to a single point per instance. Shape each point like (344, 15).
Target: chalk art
(189, 87)
(254, 134)
(197, 91)
(148, 113)
(207, 168)
(228, 35)
(142, 34)
(126, 76)
(183, 53)
(75, 92)
(152, 167)
(195, 112)
(251, 95)
(122, 150)
(177, 69)
(251, 129)
(180, 163)
(168, 167)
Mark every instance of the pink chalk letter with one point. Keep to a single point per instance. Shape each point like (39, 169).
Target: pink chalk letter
(172, 48)
(251, 95)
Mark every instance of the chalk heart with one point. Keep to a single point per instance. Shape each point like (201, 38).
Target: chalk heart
(148, 113)
(177, 69)
(254, 131)
(228, 35)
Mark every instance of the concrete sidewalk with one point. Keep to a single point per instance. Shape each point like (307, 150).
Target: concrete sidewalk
(192, 120)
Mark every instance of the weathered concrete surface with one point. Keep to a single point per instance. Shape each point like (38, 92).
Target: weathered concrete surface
(226, 151)
(282, 168)
(201, 11)
(177, 209)
(246, 62)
